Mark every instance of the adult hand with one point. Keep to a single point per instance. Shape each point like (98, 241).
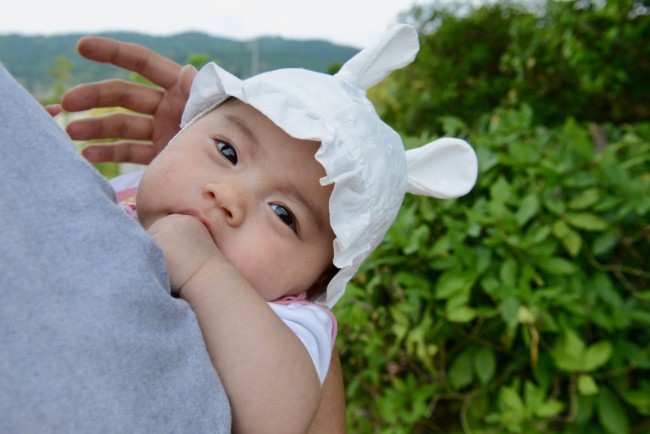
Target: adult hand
(141, 136)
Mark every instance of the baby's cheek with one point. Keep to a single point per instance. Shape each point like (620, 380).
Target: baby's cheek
(264, 275)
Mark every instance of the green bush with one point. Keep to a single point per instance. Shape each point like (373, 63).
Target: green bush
(588, 59)
(457, 71)
(582, 58)
(520, 308)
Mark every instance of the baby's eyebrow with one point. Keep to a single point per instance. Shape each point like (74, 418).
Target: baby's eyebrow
(312, 210)
(246, 131)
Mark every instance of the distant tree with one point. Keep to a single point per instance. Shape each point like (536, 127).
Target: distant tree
(61, 74)
(198, 60)
(334, 68)
(457, 71)
(587, 59)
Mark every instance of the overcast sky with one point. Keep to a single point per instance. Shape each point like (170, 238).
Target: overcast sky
(349, 22)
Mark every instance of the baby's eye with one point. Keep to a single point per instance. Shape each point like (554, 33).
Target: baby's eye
(285, 215)
(227, 151)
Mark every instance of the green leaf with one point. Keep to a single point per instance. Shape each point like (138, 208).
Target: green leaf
(501, 190)
(508, 272)
(570, 239)
(569, 352)
(605, 242)
(597, 355)
(418, 238)
(451, 125)
(538, 234)
(611, 413)
(560, 229)
(640, 316)
(554, 205)
(640, 399)
(528, 208)
(452, 284)
(587, 221)
(461, 374)
(572, 243)
(510, 311)
(485, 364)
(525, 316)
(461, 314)
(549, 408)
(512, 400)
(557, 266)
(586, 385)
(483, 257)
(603, 287)
(586, 199)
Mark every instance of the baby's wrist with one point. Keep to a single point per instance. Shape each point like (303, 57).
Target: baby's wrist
(206, 280)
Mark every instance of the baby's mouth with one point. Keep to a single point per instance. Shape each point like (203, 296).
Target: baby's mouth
(199, 216)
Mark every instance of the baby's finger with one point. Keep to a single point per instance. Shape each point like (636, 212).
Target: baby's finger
(119, 152)
(156, 68)
(113, 125)
(112, 93)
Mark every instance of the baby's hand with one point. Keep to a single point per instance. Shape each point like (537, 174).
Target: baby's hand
(187, 247)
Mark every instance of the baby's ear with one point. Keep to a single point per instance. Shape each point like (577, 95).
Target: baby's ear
(445, 168)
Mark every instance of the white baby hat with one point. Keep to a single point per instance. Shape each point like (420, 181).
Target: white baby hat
(362, 156)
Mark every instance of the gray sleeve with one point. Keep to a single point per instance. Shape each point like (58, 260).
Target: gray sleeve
(90, 339)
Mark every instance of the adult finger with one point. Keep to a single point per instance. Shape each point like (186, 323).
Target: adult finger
(112, 93)
(113, 125)
(119, 152)
(156, 68)
(53, 109)
(186, 78)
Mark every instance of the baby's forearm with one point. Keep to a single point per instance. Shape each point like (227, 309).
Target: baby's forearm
(266, 371)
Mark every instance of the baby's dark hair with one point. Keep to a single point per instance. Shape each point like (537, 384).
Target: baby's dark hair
(320, 285)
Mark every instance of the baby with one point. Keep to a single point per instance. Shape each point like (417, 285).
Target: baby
(266, 203)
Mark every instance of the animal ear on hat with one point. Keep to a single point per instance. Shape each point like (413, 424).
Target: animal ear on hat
(445, 168)
(372, 64)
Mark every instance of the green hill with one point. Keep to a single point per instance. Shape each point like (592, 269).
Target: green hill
(31, 58)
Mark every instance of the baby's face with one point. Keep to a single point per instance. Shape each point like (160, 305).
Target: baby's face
(257, 191)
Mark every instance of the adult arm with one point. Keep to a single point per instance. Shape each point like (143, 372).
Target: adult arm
(91, 340)
(163, 110)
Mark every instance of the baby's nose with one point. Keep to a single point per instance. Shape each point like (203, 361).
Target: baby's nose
(230, 198)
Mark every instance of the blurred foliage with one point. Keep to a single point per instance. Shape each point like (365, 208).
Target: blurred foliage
(61, 75)
(520, 308)
(580, 58)
(523, 307)
(589, 60)
(457, 70)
